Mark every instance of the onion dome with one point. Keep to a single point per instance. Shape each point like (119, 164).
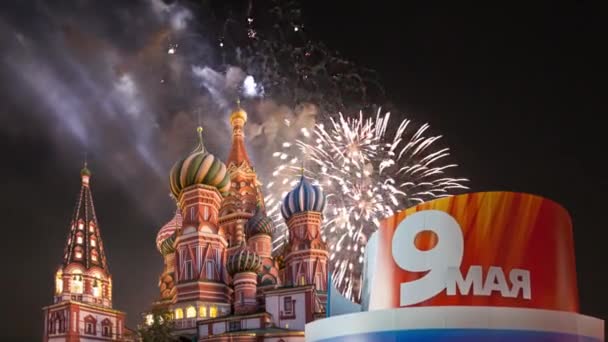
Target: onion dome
(85, 171)
(199, 167)
(245, 260)
(304, 197)
(260, 223)
(238, 113)
(166, 235)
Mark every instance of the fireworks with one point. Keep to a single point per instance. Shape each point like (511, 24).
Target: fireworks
(368, 171)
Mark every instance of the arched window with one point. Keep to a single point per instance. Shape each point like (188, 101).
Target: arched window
(79, 238)
(302, 280)
(59, 282)
(190, 312)
(76, 285)
(213, 312)
(94, 255)
(93, 241)
(106, 328)
(78, 252)
(202, 312)
(179, 313)
(80, 225)
(96, 288)
(90, 325)
(91, 227)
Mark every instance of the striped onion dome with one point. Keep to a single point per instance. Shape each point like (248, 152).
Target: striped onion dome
(260, 223)
(304, 197)
(199, 167)
(245, 260)
(166, 235)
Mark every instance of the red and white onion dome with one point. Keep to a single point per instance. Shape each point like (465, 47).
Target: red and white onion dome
(166, 235)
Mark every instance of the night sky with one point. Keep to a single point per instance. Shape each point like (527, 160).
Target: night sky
(515, 92)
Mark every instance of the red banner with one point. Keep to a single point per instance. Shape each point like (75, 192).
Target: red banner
(479, 249)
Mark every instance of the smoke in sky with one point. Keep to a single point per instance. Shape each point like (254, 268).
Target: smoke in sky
(127, 82)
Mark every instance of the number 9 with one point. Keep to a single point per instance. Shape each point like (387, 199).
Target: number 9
(446, 254)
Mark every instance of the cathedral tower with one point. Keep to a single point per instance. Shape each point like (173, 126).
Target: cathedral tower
(245, 194)
(198, 182)
(259, 230)
(82, 306)
(306, 253)
(243, 267)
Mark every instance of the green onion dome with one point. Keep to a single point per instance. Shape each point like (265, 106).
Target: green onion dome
(199, 167)
(85, 171)
(260, 223)
(245, 260)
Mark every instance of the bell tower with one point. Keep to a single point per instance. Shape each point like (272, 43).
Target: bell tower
(82, 306)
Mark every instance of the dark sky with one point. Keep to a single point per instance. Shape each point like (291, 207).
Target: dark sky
(515, 91)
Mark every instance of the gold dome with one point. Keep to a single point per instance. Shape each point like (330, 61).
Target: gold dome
(238, 113)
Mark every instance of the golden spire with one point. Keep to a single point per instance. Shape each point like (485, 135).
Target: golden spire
(238, 152)
(238, 113)
(200, 147)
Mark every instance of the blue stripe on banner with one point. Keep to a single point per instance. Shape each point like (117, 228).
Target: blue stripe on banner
(329, 287)
(462, 335)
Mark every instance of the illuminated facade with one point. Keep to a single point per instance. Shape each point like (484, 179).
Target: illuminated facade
(82, 307)
(220, 279)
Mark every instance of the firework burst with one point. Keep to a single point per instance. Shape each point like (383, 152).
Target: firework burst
(368, 172)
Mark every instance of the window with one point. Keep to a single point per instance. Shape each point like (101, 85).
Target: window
(202, 311)
(78, 252)
(79, 240)
(96, 288)
(90, 324)
(93, 242)
(59, 282)
(94, 255)
(57, 323)
(76, 285)
(318, 281)
(179, 313)
(80, 225)
(190, 312)
(210, 269)
(188, 266)
(213, 312)
(302, 280)
(91, 228)
(106, 328)
(287, 306)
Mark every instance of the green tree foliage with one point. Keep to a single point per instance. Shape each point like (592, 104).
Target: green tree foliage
(159, 329)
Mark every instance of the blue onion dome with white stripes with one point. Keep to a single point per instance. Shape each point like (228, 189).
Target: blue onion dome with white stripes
(259, 223)
(304, 197)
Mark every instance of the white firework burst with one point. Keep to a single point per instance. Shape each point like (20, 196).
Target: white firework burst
(368, 171)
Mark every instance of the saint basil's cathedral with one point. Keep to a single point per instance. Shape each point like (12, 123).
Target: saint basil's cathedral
(220, 280)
